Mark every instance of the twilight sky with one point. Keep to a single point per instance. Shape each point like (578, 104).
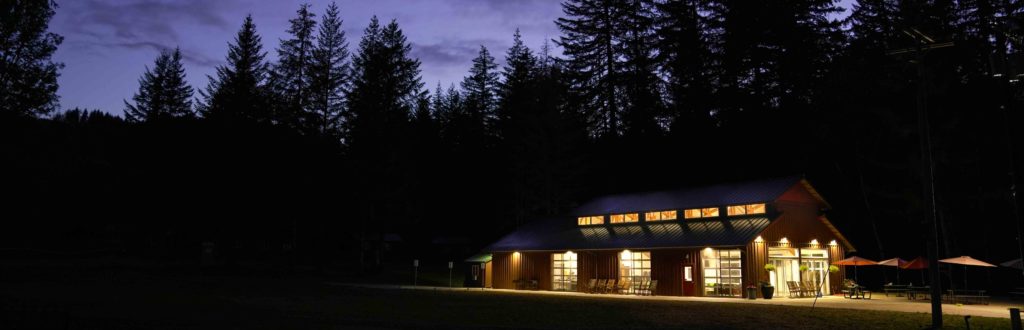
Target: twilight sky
(109, 43)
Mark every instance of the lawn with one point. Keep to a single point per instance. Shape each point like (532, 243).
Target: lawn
(220, 303)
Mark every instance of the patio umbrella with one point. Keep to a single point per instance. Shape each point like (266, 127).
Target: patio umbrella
(1015, 264)
(917, 263)
(855, 261)
(966, 261)
(894, 262)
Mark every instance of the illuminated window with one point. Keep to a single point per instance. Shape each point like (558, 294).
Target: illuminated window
(659, 216)
(592, 220)
(723, 273)
(691, 214)
(626, 217)
(564, 270)
(634, 268)
(709, 212)
(755, 208)
(736, 210)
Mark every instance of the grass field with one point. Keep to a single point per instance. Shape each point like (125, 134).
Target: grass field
(309, 303)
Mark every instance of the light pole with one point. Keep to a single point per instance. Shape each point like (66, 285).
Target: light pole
(922, 44)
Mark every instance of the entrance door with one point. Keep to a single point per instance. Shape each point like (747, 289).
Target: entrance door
(488, 278)
(688, 284)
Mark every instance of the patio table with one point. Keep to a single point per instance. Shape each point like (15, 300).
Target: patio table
(898, 289)
(915, 292)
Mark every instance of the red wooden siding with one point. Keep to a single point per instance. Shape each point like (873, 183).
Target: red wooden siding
(510, 266)
(596, 264)
(799, 224)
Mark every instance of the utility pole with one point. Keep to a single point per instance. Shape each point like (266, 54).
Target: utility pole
(922, 44)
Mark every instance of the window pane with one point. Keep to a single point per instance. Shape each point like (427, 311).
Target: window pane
(632, 217)
(709, 212)
(737, 210)
(597, 220)
(668, 215)
(755, 208)
(692, 213)
(617, 218)
(652, 216)
(583, 221)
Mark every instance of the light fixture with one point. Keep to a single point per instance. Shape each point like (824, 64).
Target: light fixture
(814, 241)
(759, 239)
(833, 242)
(784, 241)
(626, 254)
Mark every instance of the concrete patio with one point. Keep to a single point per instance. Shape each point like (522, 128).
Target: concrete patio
(997, 307)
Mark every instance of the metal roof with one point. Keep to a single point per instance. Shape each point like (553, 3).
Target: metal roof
(564, 234)
(709, 196)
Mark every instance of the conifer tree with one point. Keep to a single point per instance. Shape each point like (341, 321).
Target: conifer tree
(163, 92)
(28, 76)
(481, 91)
(590, 40)
(290, 78)
(517, 93)
(329, 77)
(683, 57)
(239, 91)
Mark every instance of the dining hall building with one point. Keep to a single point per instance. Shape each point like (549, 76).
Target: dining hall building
(705, 241)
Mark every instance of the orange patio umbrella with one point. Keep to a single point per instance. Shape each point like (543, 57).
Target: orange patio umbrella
(855, 261)
(917, 263)
(965, 261)
(894, 262)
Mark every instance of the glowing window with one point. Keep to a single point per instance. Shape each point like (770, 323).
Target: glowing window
(709, 212)
(634, 268)
(591, 220)
(626, 217)
(755, 208)
(660, 215)
(564, 270)
(691, 214)
(736, 210)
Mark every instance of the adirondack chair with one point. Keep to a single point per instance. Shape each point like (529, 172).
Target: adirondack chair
(809, 288)
(653, 288)
(590, 286)
(624, 286)
(599, 288)
(639, 288)
(795, 289)
(610, 288)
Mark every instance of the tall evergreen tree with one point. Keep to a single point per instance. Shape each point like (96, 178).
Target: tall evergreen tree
(517, 93)
(329, 77)
(683, 56)
(290, 78)
(239, 91)
(163, 92)
(481, 91)
(590, 40)
(28, 77)
(643, 109)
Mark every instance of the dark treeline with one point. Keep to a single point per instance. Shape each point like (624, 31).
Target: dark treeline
(332, 152)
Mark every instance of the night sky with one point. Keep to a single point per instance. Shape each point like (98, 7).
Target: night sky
(108, 43)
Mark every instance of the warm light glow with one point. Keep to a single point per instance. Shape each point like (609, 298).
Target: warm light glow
(755, 208)
(626, 254)
(617, 218)
(591, 220)
(784, 241)
(709, 212)
(515, 254)
(691, 214)
(660, 215)
(833, 242)
(814, 241)
(708, 249)
(736, 210)
(759, 239)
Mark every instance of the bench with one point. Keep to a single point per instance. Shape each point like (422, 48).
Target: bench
(967, 297)
(896, 289)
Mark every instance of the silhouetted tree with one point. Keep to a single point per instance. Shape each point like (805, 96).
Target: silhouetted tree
(28, 77)
(239, 92)
(290, 78)
(683, 56)
(481, 91)
(163, 92)
(590, 42)
(329, 76)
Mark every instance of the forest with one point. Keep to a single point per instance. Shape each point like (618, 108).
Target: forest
(331, 152)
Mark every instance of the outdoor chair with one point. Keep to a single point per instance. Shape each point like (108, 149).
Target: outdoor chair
(534, 285)
(624, 287)
(590, 286)
(600, 286)
(809, 288)
(652, 288)
(519, 284)
(794, 289)
(610, 288)
(639, 290)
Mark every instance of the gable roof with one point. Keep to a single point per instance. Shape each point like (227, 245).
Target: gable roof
(709, 196)
(564, 234)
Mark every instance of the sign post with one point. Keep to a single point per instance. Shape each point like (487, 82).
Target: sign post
(450, 266)
(415, 270)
